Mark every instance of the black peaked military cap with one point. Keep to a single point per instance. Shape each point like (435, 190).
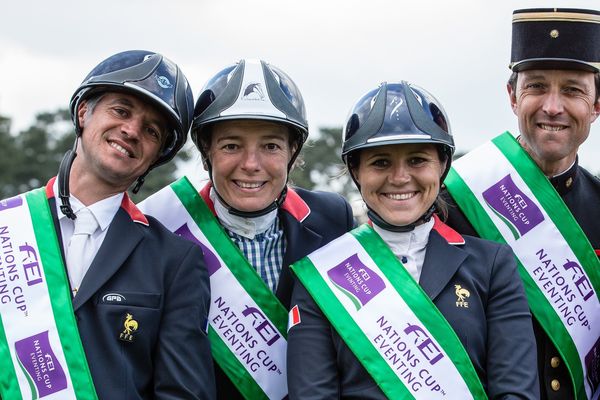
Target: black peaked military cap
(555, 38)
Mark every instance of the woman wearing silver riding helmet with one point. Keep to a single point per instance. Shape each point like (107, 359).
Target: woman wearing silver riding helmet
(405, 307)
(249, 125)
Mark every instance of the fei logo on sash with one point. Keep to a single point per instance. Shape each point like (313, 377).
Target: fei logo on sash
(513, 207)
(40, 365)
(356, 280)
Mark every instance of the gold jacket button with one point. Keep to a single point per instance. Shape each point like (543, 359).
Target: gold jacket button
(555, 385)
(554, 362)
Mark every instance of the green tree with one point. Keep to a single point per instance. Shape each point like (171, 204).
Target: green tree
(320, 165)
(29, 159)
(7, 152)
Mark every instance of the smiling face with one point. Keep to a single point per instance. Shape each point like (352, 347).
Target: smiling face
(121, 137)
(555, 109)
(400, 182)
(249, 162)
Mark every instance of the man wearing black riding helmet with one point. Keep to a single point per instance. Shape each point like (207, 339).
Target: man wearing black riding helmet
(114, 301)
(249, 125)
(362, 298)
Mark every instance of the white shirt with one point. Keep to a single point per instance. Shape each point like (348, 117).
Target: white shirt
(409, 247)
(104, 211)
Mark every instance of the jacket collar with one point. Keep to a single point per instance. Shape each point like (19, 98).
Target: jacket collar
(449, 234)
(564, 182)
(293, 203)
(442, 260)
(120, 242)
(126, 204)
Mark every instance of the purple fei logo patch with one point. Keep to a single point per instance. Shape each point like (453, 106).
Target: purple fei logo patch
(356, 281)
(12, 202)
(513, 207)
(211, 260)
(40, 365)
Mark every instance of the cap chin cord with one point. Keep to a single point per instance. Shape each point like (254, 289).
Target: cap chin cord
(383, 224)
(63, 181)
(254, 214)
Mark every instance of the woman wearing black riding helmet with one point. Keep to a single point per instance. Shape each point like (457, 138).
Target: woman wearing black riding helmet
(430, 311)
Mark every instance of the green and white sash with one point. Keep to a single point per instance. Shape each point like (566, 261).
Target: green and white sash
(386, 319)
(247, 323)
(512, 202)
(41, 355)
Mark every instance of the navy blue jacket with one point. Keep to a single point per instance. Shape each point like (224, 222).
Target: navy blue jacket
(309, 221)
(495, 329)
(146, 271)
(580, 191)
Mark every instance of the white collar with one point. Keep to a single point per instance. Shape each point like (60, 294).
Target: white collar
(246, 227)
(565, 171)
(402, 242)
(104, 210)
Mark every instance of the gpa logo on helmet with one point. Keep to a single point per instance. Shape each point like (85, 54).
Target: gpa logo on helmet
(163, 82)
(253, 91)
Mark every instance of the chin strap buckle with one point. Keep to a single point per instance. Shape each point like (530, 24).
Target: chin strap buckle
(63, 181)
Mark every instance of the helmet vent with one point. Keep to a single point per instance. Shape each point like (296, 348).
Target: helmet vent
(397, 137)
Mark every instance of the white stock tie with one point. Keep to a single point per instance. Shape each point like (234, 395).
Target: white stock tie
(79, 253)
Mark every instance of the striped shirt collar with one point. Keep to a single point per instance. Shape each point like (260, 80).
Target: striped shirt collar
(264, 252)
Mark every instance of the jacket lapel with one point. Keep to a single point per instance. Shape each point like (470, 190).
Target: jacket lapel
(300, 240)
(122, 237)
(442, 260)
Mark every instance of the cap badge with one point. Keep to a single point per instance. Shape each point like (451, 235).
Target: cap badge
(461, 294)
(554, 33)
(130, 325)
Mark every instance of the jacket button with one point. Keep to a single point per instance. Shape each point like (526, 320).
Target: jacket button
(555, 384)
(554, 362)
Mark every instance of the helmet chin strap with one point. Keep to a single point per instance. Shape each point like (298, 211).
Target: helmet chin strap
(383, 224)
(64, 172)
(254, 214)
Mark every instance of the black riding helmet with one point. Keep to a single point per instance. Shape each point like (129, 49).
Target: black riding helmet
(249, 90)
(149, 76)
(396, 113)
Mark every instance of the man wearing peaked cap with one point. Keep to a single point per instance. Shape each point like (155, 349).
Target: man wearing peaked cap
(111, 304)
(553, 91)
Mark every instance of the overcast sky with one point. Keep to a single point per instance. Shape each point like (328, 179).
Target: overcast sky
(335, 51)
